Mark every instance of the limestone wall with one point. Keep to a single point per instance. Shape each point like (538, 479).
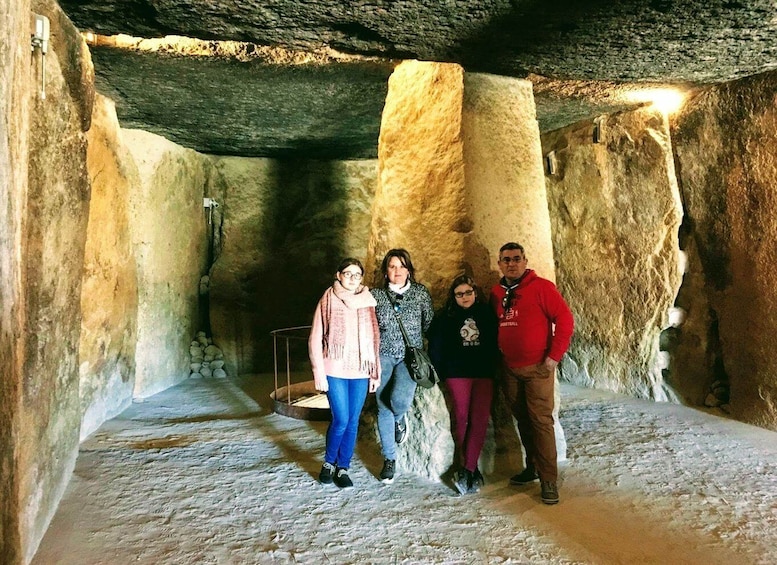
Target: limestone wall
(170, 240)
(16, 87)
(726, 147)
(45, 195)
(615, 213)
(109, 295)
(285, 226)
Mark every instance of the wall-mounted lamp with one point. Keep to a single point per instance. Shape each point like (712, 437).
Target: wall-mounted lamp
(598, 135)
(40, 40)
(550, 163)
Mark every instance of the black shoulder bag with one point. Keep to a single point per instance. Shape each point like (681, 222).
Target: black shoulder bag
(419, 365)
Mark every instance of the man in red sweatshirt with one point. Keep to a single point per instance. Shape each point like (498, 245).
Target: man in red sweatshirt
(535, 327)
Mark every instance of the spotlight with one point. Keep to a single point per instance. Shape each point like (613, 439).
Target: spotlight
(666, 100)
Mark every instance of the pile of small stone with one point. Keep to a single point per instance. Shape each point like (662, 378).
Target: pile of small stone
(718, 396)
(207, 359)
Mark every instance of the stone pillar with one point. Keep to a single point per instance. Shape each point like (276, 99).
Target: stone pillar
(419, 201)
(505, 194)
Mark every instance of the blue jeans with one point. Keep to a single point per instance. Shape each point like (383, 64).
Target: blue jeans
(346, 399)
(394, 396)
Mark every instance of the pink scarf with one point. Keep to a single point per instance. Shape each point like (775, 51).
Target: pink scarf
(337, 309)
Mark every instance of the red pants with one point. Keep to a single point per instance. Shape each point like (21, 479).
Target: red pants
(471, 399)
(529, 393)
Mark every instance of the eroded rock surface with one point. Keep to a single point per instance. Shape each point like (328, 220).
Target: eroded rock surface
(615, 213)
(725, 142)
(109, 293)
(587, 40)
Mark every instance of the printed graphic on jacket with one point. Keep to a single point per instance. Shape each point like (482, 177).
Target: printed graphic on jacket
(470, 333)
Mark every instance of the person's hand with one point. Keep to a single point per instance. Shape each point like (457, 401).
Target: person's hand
(550, 364)
(322, 384)
(374, 384)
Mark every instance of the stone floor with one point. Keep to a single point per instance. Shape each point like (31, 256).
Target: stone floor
(205, 473)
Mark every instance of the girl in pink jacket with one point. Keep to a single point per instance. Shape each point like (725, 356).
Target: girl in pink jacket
(343, 348)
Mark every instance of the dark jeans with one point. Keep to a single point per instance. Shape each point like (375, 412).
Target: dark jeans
(346, 399)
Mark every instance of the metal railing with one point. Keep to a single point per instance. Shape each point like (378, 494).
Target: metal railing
(287, 335)
(297, 400)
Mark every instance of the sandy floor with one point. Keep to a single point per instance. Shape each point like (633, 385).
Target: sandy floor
(202, 474)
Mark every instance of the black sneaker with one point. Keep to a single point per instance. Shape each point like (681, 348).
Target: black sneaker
(528, 475)
(387, 473)
(462, 480)
(342, 479)
(325, 476)
(477, 481)
(400, 431)
(549, 492)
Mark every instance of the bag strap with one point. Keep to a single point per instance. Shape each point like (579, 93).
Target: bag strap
(399, 320)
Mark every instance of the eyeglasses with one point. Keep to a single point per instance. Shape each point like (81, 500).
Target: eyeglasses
(469, 292)
(352, 276)
(508, 260)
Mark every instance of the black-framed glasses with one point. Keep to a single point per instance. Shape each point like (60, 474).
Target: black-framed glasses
(509, 260)
(352, 276)
(469, 292)
(507, 300)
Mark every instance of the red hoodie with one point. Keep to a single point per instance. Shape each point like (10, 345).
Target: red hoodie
(526, 334)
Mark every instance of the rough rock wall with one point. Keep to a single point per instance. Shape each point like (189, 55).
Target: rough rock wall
(16, 89)
(285, 225)
(726, 150)
(170, 241)
(109, 293)
(45, 201)
(615, 212)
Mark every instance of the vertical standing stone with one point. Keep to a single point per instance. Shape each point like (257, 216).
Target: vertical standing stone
(170, 242)
(109, 294)
(505, 184)
(419, 202)
(616, 213)
(15, 95)
(505, 193)
(726, 146)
